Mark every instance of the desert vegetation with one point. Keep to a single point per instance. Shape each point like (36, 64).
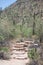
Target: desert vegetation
(22, 20)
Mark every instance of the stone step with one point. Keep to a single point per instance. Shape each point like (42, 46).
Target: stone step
(17, 49)
(14, 51)
(20, 58)
(19, 52)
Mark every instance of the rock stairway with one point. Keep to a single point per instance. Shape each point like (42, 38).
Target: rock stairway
(18, 51)
(18, 55)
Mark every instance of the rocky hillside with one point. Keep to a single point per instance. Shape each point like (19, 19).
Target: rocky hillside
(23, 9)
(18, 18)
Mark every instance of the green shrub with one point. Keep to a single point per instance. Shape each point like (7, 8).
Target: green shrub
(33, 54)
(5, 49)
(1, 37)
(27, 32)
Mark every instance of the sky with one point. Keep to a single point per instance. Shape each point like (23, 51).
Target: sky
(6, 3)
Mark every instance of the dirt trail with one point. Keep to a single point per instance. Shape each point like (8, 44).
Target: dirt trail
(18, 57)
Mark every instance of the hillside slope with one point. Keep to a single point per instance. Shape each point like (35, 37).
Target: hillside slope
(19, 17)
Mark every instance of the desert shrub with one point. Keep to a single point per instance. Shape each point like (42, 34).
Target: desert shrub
(33, 54)
(27, 32)
(5, 49)
(35, 37)
(4, 53)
